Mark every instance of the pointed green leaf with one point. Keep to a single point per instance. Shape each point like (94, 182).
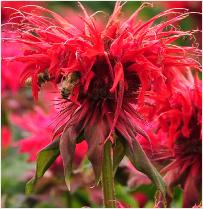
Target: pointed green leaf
(45, 158)
(118, 154)
(139, 159)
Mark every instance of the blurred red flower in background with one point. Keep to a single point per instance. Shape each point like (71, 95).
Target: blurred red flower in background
(6, 14)
(192, 5)
(186, 142)
(37, 124)
(141, 198)
(6, 137)
(176, 143)
(10, 72)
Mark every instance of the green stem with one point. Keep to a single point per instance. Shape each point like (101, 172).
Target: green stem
(69, 205)
(107, 178)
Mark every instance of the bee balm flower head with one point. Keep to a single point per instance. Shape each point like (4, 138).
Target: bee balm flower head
(102, 76)
(184, 126)
(177, 140)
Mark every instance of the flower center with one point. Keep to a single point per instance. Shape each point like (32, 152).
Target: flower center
(101, 83)
(191, 145)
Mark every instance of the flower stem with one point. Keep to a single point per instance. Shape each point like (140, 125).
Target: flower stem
(108, 178)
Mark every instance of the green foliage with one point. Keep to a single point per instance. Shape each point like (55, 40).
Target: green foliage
(94, 6)
(149, 190)
(44, 160)
(118, 154)
(140, 161)
(14, 167)
(122, 194)
(177, 198)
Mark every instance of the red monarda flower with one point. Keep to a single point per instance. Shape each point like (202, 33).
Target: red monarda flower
(103, 76)
(184, 126)
(177, 142)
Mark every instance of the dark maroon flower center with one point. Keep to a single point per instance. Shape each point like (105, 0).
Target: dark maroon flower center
(192, 145)
(102, 81)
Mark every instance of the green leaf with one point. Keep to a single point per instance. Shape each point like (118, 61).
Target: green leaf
(123, 195)
(45, 158)
(12, 182)
(141, 162)
(118, 154)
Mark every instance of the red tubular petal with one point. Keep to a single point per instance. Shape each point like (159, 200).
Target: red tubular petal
(88, 80)
(74, 95)
(118, 107)
(119, 76)
(116, 48)
(131, 20)
(26, 73)
(114, 16)
(191, 193)
(35, 87)
(63, 22)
